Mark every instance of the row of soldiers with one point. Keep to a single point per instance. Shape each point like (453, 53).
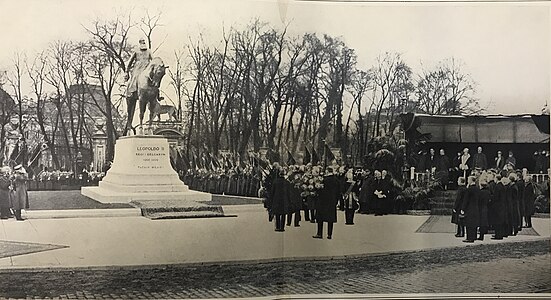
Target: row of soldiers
(499, 201)
(235, 181)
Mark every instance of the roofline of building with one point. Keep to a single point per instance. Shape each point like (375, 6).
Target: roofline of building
(494, 116)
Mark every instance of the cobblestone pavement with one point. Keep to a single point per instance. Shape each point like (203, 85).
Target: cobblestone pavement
(515, 267)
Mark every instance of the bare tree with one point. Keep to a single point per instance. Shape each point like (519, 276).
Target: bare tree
(45, 117)
(360, 83)
(107, 57)
(392, 85)
(446, 90)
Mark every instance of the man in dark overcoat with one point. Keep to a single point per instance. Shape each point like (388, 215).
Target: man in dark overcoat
(366, 192)
(483, 200)
(499, 208)
(279, 197)
(512, 199)
(529, 198)
(326, 208)
(520, 198)
(431, 160)
(295, 199)
(442, 169)
(480, 160)
(499, 161)
(470, 209)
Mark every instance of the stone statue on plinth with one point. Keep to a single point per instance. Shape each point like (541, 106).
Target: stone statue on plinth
(143, 84)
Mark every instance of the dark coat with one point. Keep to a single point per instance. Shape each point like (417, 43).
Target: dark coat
(443, 164)
(311, 201)
(499, 164)
(431, 161)
(520, 196)
(529, 198)
(480, 161)
(422, 164)
(470, 206)
(513, 205)
(295, 199)
(461, 191)
(511, 160)
(351, 196)
(326, 208)
(483, 200)
(279, 196)
(366, 189)
(498, 206)
(4, 192)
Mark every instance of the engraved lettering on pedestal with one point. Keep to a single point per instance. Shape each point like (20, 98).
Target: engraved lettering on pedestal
(148, 156)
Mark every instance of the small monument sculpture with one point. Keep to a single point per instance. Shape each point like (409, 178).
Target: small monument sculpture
(141, 169)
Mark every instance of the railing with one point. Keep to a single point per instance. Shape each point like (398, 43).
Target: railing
(539, 178)
(425, 176)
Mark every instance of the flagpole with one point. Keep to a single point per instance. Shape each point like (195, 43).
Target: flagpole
(324, 154)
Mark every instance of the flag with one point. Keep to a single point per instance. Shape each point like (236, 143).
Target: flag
(307, 157)
(35, 153)
(315, 157)
(329, 156)
(290, 159)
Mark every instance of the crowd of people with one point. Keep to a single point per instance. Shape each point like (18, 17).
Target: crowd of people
(501, 201)
(13, 192)
(494, 197)
(446, 170)
(317, 192)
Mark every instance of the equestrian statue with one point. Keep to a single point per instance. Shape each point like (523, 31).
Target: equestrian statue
(144, 79)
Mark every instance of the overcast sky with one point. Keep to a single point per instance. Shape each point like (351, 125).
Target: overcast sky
(505, 47)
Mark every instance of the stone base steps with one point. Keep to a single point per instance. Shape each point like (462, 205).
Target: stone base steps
(183, 215)
(170, 209)
(442, 202)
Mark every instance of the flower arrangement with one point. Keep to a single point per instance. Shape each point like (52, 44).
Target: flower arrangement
(311, 181)
(55, 175)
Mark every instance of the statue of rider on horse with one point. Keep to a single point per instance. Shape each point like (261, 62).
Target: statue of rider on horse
(144, 75)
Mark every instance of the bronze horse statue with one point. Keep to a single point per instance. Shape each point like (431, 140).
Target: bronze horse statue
(148, 81)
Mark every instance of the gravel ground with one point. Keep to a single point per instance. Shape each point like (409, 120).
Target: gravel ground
(505, 267)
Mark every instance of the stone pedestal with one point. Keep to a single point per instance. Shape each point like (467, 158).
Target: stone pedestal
(140, 171)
